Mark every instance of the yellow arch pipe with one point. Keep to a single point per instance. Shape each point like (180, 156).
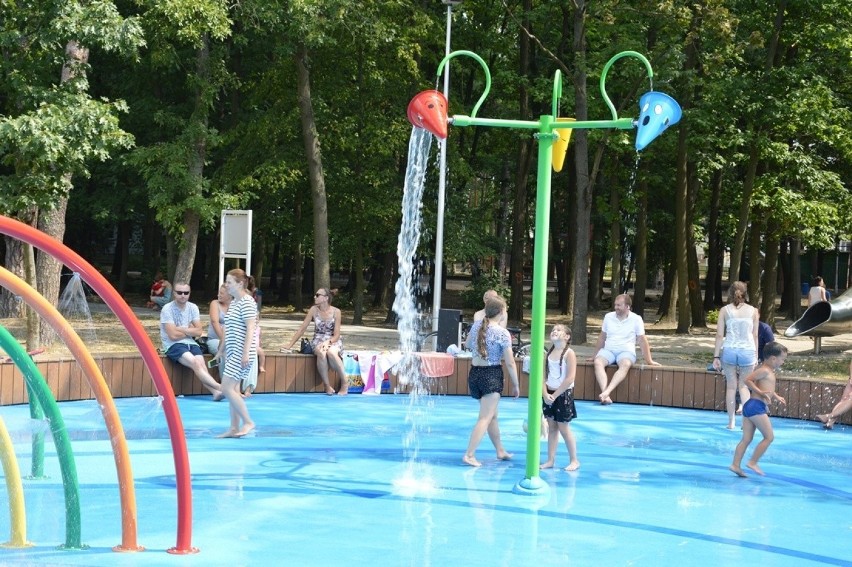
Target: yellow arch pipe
(121, 454)
(17, 510)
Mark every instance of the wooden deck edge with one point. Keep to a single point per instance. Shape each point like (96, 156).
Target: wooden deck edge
(665, 386)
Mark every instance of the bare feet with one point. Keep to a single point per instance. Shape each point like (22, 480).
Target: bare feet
(245, 430)
(731, 425)
(827, 420)
(343, 391)
(755, 468)
(738, 471)
(572, 466)
(504, 456)
(228, 433)
(471, 460)
(329, 391)
(261, 369)
(546, 465)
(605, 399)
(218, 396)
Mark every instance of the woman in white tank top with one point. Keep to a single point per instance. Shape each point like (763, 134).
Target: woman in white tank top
(736, 346)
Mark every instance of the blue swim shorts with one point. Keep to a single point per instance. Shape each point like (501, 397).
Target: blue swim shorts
(753, 407)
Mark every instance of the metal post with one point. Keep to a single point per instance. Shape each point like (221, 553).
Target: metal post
(442, 187)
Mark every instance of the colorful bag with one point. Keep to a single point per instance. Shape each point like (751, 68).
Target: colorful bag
(352, 372)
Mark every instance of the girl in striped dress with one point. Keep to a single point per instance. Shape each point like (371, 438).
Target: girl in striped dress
(240, 349)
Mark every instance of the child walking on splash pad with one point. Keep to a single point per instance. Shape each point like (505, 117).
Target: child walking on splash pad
(558, 397)
(761, 382)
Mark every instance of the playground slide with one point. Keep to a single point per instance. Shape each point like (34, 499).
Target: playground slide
(825, 319)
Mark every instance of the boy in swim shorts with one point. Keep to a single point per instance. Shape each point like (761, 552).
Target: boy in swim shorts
(761, 382)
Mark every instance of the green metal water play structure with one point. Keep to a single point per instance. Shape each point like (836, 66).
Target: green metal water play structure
(658, 111)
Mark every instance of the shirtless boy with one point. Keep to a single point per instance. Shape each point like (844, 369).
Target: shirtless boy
(761, 382)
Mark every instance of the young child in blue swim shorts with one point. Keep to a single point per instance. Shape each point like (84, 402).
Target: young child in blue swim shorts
(761, 382)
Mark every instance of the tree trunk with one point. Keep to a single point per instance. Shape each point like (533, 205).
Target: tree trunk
(744, 214)
(681, 227)
(358, 293)
(641, 249)
(48, 268)
(615, 240)
(310, 137)
(794, 280)
(584, 190)
(714, 249)
(121, 255)
(754, 155)
(188, 240)
(698, 319)
(770, 273)
(755, 259)
(11, 305)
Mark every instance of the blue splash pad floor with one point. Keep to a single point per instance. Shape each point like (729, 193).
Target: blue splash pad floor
(328, 481)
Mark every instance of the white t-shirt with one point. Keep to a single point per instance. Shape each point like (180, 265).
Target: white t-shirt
(621, 334)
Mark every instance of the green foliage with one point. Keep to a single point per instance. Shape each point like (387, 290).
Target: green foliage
(712, 317)
(472, 294)
(51, 131)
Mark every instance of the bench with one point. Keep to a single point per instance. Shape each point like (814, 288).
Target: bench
(296, 373)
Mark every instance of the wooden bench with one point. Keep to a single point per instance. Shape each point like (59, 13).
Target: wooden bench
(664, 386)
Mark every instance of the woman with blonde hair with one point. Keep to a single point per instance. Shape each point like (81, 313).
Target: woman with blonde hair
(736, 346)
(491, 344)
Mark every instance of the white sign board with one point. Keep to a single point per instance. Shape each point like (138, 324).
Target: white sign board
(235, 240)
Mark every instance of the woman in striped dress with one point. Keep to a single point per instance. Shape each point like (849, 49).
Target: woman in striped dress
(240, 349)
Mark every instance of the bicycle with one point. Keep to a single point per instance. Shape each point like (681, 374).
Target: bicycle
(520, 347)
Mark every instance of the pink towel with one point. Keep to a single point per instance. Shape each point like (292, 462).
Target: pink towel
(436, 364)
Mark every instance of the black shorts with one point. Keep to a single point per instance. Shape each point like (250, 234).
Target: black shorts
(484, 380)
(562, 409)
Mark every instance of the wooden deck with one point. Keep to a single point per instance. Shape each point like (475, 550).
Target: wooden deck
(664, 386)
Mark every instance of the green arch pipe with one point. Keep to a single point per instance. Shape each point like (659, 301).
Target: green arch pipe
(38, 388)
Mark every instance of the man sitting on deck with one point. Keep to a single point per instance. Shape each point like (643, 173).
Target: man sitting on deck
(617, 345)
(180, 323)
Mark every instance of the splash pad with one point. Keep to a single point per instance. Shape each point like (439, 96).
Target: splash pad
(658, 111)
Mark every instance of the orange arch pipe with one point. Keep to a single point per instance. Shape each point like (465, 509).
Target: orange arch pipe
(96, 380)
(111, 297)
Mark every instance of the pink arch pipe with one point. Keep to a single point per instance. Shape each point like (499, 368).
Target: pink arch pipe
(111, 297)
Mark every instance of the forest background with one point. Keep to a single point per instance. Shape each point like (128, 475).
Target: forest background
(127, 127)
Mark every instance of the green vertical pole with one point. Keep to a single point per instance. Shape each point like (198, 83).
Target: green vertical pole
(532, 481)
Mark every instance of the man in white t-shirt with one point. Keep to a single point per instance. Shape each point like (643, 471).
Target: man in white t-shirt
(617, 345)
(180, 324)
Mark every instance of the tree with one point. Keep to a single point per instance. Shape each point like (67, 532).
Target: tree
(50, 126)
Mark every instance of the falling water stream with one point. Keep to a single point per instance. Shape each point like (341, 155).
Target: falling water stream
(416, 479)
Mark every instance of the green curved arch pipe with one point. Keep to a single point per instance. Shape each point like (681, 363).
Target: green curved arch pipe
(38, 387)
(37, 461)
(484, 66)
(609, 63)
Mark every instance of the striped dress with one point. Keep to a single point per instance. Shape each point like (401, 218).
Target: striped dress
(239, 313)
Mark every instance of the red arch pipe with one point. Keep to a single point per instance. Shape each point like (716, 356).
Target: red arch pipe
(153, 363)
